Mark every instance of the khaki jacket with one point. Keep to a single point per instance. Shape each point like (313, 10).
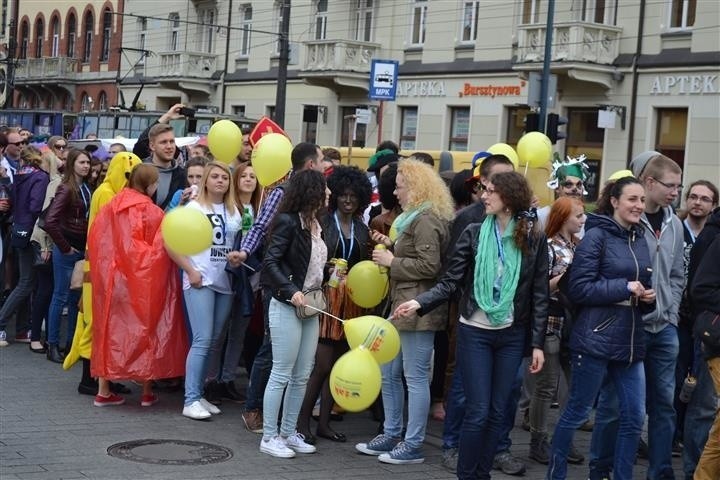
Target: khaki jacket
(416, 267)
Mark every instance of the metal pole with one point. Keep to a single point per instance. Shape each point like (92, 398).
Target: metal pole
(633, 95)
(281, 91)
(546, 64)
(380, 120)
(227, 56)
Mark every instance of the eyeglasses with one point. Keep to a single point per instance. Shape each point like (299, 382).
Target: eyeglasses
(669, 186)
(18, 144)
(570, 184)
(699, 198)
(59, 147)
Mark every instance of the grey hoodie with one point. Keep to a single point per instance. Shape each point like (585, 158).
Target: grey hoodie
(668, 278)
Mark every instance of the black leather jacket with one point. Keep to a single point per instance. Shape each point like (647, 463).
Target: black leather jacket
(287, 257)
(332, 239)
(531, 295)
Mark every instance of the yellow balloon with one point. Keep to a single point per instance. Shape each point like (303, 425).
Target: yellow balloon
(271, 158)
(225, 140)
(620, 174)
(355, 380)
(376, 334)
(186, 231)
(534, 149)
(366, 284)
(507, 150)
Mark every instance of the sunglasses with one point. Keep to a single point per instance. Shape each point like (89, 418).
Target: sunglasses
(59, 147)
(19, 144)
(569, 184)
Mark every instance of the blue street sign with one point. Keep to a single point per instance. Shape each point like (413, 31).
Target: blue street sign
(383, 79)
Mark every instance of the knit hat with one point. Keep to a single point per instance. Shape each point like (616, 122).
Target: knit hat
(638, 164)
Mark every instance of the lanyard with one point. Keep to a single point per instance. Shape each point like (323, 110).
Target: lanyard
(692, 235)
(498, 240)
(342, 237)
(86, 200)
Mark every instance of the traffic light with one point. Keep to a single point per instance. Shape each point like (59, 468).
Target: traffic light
(532, 122)
(554, 122)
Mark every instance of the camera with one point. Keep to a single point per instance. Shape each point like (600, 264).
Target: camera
(187, 112)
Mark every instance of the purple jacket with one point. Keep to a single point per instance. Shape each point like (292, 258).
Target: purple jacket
(27, 195)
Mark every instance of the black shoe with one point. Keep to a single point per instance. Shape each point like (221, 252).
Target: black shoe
(88, 388)
(42, 349)
(539, 449)
(230, 392)
(213, 392)
(642, 449)
(54, 355)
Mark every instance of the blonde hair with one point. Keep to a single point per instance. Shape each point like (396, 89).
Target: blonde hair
(425, 185)
(50, 164)
(228, 197)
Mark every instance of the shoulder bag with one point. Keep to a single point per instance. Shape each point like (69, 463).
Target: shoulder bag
(315, 297)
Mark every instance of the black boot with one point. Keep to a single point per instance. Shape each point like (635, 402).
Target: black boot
(53, 353)
(539, 448)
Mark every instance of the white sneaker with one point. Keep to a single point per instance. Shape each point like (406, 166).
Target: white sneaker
(3, 339)
(276, 447)
(296, 442)
(209, 407)
(196, 411)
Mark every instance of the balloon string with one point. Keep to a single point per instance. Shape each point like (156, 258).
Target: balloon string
(526, 168)
(326, 313)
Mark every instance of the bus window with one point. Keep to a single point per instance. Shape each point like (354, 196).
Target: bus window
(179, 127)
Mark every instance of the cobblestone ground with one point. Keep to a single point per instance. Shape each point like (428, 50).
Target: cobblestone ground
(49, 431)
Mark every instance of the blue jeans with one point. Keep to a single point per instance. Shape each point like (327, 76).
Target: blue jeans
(23, 289)
(416, 349)
(294, 342)
(699, 417)
(207, 311)
(454, 412)
(485, 357)
(660, 361)
(588, 375)
(504, 443)
(63, 265)
(262, 364)
(41, 301)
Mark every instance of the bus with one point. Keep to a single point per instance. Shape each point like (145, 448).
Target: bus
(108, 124)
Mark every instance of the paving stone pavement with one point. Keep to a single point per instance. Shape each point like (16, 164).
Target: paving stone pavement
(49, 432)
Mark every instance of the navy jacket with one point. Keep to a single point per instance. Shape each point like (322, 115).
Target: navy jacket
(27, 195)
(608, 257)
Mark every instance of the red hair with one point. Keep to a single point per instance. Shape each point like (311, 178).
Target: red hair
(559, 213)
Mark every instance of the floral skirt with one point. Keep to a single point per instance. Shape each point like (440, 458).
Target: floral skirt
(340, 305)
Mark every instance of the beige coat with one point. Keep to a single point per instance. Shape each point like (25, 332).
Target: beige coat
(415, 269)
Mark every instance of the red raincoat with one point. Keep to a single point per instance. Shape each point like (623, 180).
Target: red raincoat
(138, 327)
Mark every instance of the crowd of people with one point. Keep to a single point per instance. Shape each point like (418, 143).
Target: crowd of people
(497, 303)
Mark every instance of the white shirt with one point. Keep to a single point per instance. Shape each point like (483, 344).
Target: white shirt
(211, 262)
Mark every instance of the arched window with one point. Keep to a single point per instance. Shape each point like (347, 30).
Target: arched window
(24, 39)
(39, 34)
(55, 32)
(321, 20)
(71, 35)
(87, 102)
(106, 31)
(88, 32)
(174, 39)
(102, 101)
(247, 14)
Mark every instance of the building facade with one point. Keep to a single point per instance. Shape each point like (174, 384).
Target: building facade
(67, 53)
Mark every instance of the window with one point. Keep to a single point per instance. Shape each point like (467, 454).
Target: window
(459, 128)
(24, 39)
(270, 111)
(516, 124)
(351, 130)
(207, 30)
(584, 137)
(363, 20)
(174, 40)
(142, 28)
(278, 14)
(39, 34)
(530, 11)
(408, 127)
(89, 25)
(102, 101)
(599, 11)
(86, 103)
(247, 13)
(309, 125)
(107, 29)
(417, 32)
(321, 20)
(470, 21)
(238, 110)
(671, 135)
(55, 31)
(682, 13)
(71, 35)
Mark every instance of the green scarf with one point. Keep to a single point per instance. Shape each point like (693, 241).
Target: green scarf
(495, 281)
(403, 220)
